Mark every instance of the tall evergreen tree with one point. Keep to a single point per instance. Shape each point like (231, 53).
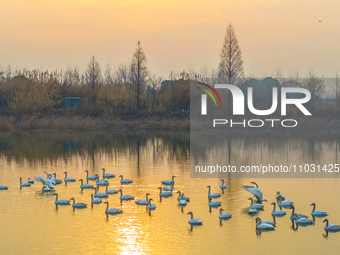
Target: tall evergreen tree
(231, 65)
(139, 72)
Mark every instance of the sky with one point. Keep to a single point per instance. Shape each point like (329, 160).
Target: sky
(284, 35)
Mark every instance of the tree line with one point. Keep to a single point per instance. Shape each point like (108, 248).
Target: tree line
(131, 87)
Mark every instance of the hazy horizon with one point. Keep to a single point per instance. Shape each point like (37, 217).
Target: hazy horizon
(175, 36)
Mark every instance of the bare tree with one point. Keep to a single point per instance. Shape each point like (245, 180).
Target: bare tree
(123, 75)
(155, 85)
(231, 65)
(93, 76)
(315, 86)
(139, 72)
(336, 91)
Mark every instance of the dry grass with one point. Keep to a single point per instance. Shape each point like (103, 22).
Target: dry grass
(89, 123)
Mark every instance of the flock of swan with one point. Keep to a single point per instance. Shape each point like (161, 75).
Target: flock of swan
(255, 206)
(281, 202)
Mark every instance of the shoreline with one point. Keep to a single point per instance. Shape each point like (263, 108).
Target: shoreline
(145, 122)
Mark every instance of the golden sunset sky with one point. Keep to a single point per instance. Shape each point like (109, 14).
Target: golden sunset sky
(175, 35)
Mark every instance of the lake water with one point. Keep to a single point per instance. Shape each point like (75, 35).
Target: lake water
(31, 224)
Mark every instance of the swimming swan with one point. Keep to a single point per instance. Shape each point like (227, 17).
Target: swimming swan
(182, 201)
(224, 216)
(107, 175)
(285, 204)
(331, 227)
(212, 195)
(255, 191)
(95, 200)
(60, 201)
(124, 181)
(263, 226)
(296, 216)
(169, 182)
(90, 178)
(78, 205)
(255, 206)
(100, 194)
(277, 212)
(193, 221)
(24, 184)
(151, 206)
(85, 186)
(125, 197)
(110, 191)
(2, 187)
(318, 213)
(223, 185)
(303, 221)
(68, 179)
(164, 193)
(111, 211)
(180, 197)
(214, 203)
(142, 201)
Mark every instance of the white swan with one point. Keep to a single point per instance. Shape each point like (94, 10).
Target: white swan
(279, 195)
(51, 178)
(296, 216)
(277, 212)
(125, 197)
(169, 182)
(31, 181)
(223, 185)
(24, 184)
(269, 222)
(252, 210)
(212, 195)
(169, 188)
(193, 221)
(68, 179)
(164, 193)
(255, 206)
(61, 201)
(46, 189)
(303, 221)
(331, 227)
(182, 197)
(142, 201)
(151, 206)
(85, 186)
(100, 194)
(182, 201)
(255, 191)
(90, 178)
(318, 213)
(214, 203)
(107, 176)
(57, 181)
(224, 216)
(44, 182)
(3, 187)
(285, 204)
(110, 191)
(263, 226)
(101, 182)
(95, 200)
(77, 205)
(124, 181)
(112, 211)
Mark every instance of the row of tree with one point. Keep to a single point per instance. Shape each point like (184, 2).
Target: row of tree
(130, 87)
